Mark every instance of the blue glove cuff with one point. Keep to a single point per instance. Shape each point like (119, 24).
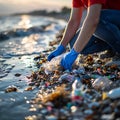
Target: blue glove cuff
(74, 52)
(61, 48)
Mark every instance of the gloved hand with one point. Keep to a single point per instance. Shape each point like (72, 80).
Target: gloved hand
(68, 59)
(59, 50)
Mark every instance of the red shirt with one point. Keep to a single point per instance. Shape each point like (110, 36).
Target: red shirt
(106, 4)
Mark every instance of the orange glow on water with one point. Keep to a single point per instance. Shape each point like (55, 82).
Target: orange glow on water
(25, 22)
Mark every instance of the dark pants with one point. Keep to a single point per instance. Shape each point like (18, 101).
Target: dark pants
(106, 36)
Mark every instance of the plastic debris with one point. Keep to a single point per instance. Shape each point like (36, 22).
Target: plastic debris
(52, 117)
(52, 65)
(76, 91)
(81, 97)
(66, 77)
(113, 94)
(101, 83)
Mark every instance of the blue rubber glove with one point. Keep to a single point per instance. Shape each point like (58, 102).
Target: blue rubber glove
(59, 50)
(68, 59)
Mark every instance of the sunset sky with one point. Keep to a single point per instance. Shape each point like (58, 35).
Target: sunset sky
(15, 6)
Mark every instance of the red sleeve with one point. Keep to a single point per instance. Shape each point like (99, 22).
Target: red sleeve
(91, 2)
(77, 3)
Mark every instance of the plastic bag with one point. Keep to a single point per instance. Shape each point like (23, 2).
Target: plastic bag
(53, 65)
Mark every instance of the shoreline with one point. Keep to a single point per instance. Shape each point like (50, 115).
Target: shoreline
(64, 13)
(16, 89)
(52, 92)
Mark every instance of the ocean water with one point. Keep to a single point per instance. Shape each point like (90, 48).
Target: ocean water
(26, 34)
(21, 39)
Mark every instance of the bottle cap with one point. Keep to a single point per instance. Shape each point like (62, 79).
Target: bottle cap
(104, 95)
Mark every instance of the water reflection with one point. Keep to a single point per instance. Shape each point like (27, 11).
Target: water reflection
(25, 22)
(12, 99)
(30, 44)
(31, 39)
(18, 52)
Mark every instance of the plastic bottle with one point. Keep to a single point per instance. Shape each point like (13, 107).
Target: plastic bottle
(113, 94)
(77, 91)
(101, 82)
(66, 77)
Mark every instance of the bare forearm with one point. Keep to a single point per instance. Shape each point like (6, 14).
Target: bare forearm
(73, 25)
(69, 33)
(88, 27)
(85, 34)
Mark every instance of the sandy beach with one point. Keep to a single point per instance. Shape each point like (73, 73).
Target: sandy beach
(33, 89)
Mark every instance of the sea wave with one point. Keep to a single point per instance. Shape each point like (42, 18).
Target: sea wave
(20, 26)
(21, 32)
(26, 35)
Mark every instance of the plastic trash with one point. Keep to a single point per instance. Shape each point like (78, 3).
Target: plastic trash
(113, 94)
(80, 70)
(77, 91)
(101, 82)
(66, 77)
(52, 65)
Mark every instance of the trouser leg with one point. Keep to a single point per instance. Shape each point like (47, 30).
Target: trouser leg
(108, 29)
(94, 45)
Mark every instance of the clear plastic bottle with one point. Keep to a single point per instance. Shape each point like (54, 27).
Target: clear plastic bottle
(76, 91)
(113, 94)
(101, 82)
(66, 77)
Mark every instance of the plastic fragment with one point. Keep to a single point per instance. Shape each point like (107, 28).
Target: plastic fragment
(52, 65)
(101, 82)
(66, 77)
(76, 92)
(113, 94)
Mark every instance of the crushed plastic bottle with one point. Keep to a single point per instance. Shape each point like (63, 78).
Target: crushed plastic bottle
(76, 91)
(80, 70)
(53, 64)
(101, 83)
(113, 94)
(66, 77)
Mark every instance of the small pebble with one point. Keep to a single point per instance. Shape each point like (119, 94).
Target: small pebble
(11, 89)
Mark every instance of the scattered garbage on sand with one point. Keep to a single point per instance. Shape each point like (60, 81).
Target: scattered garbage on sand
(91, 91)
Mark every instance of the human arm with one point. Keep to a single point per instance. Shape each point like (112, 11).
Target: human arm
(71, 28)
(87, 30)
(88, 27)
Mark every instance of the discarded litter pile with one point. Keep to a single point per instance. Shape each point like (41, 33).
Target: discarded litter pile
(91, 91)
